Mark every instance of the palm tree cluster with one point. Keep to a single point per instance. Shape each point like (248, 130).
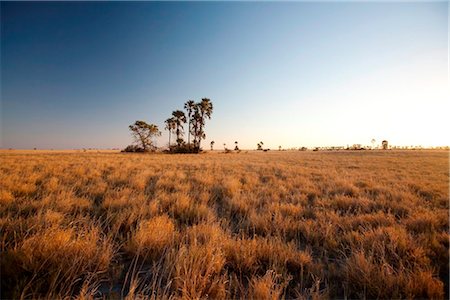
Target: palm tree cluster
(196, 116)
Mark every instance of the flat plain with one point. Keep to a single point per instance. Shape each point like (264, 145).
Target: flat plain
(259, 225)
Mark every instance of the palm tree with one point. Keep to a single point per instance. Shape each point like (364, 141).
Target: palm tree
(179, 118)
(206, 108)
(170, 125)
(196, 124)
(189, 106)
(260, 144)
(224, 146)
(212, 145)
(202, 110)
(373, 143)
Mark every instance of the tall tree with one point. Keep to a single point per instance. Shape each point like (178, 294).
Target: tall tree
(195, 124)
(189, 106)
(170, 126)
(179, 118)
(143, 133)
(212, 145)
(202, 110)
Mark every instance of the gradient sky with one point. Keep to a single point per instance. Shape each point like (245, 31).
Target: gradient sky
(75, 75)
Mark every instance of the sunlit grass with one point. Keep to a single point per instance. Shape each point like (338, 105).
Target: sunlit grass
(255, 225)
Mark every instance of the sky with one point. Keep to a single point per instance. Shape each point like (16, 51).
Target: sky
(76, 74)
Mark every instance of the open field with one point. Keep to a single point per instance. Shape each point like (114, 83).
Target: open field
(256, 225)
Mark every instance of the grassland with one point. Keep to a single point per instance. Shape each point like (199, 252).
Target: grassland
(371, 224)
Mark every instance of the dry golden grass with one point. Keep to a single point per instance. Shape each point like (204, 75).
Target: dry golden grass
(368, 224)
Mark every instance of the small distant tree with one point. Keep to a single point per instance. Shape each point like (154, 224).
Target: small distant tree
(279, 148)
(236, 148)
(143, 134)
(384, 144)
(260, 146)
(212, 145)
(224, 146)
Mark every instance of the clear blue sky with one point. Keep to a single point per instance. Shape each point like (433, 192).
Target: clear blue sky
(76, 75)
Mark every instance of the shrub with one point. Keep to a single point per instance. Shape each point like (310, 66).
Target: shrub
(153, 237)
(133, 148)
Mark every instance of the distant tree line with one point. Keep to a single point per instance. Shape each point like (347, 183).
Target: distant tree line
(195, 117)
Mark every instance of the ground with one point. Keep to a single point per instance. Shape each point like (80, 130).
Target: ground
(277, 224)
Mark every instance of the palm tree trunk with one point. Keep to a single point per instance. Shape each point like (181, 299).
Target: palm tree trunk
(189, 133)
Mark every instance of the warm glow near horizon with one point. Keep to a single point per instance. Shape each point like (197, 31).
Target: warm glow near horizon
(75, 75)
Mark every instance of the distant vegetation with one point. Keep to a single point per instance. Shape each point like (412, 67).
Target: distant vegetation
(143, 134)
(194, 118)
(197, 113)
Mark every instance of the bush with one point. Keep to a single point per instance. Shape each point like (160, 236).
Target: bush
(133, 148)
(184, 148)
